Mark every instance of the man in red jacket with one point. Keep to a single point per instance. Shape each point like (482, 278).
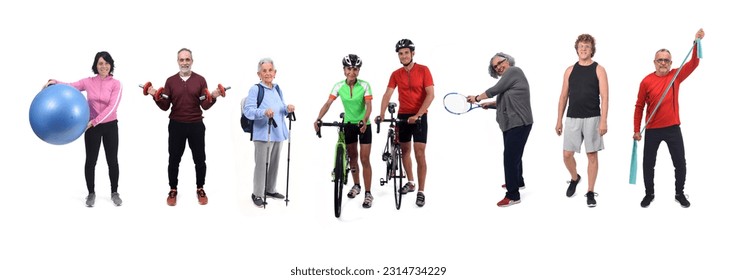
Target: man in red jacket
(664, 123)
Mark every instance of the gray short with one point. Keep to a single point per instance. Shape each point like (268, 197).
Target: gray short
(582, 130)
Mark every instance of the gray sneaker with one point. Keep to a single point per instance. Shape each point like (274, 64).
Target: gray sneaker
(368, 200)
(90, 200)
(420, 199)
(407, 188)
(355, 190)
(116, 199)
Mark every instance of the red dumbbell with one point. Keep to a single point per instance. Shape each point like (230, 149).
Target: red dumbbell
(206, 95)
(159, 92)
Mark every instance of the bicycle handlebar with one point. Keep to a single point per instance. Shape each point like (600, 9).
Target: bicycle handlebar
(320, 124)
(393, 121)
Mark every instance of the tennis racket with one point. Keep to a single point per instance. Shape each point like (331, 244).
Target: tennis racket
(455, 103)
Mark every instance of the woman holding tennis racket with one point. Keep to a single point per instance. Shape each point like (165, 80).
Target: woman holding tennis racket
(356, 97)
(514, 115)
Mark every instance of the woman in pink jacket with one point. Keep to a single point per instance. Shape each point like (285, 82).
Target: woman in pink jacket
(103, 97)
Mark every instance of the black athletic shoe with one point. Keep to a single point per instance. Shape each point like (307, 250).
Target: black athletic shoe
(258, 201)
(275, 195)
(646, 200)
(682, 199)
(590, 200)
(572, 186)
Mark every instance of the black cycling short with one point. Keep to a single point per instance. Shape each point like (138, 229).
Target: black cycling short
(353, 134)
(408, 132)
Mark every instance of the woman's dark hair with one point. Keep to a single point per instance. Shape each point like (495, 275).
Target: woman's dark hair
(105, 56)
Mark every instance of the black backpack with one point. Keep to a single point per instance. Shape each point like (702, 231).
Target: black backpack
(246, 123)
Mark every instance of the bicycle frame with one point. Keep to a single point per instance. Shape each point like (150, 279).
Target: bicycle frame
(392, 155)
(341, 169)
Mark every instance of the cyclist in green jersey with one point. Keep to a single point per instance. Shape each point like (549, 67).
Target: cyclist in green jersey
(355, 95)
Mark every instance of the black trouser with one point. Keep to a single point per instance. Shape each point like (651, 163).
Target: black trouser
(515, 140)
(179, 134)
(107, 135)
(673, 137)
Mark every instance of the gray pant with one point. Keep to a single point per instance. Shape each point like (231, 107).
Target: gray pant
(259, 172)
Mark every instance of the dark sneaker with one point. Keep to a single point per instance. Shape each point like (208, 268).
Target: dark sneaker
(507, 202)
(590, 200)
(368, 200)
(420, 199)
(355, 190)
(407, 188)
(683, 200)
(116, 199)
(202, 197)
(171, 199)
(646, 200)
(275, 195)
(90, 201)
(572, 186)
(504, 186)
(258, 201)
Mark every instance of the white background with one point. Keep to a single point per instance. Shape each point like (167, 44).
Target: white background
(47, 233)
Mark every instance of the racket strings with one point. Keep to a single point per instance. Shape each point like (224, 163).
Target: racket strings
(456, 103)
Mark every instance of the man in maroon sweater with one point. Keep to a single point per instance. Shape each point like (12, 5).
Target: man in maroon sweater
(183, 92)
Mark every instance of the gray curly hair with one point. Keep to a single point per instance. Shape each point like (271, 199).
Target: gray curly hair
(492, 71)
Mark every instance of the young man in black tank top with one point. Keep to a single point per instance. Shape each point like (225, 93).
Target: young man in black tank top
(585, 88)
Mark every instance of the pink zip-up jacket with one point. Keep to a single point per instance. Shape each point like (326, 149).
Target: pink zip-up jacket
(103, 97)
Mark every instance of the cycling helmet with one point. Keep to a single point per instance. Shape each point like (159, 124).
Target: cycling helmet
(352, 60)
(405, 43)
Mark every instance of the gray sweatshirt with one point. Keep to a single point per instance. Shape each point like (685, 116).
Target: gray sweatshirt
(513, 103)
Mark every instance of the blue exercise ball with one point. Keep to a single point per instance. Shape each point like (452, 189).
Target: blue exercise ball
(59, 114)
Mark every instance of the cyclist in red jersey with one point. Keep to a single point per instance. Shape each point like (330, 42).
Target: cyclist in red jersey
(416, 92)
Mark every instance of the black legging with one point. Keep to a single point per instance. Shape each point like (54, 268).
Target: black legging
(515, 140)
(107, 134)
(673, 137)
(179, 134)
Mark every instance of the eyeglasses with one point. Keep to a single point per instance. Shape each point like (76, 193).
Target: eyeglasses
(663, 60)
(499, 63)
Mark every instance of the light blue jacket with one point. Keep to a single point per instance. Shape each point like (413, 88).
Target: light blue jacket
(276, 103)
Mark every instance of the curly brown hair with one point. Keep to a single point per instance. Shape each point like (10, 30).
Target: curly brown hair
(587, 39)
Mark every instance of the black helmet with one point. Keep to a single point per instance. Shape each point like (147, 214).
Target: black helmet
(352, 60)
(405, 43)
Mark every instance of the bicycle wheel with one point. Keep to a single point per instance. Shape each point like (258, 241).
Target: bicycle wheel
(387, 157)
(398, 168)
(339, 170)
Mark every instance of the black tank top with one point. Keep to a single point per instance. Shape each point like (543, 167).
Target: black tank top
(583, 92)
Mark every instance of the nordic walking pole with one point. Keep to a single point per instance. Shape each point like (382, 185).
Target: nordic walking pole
(633, 161)
(268, 155)
(292, 117)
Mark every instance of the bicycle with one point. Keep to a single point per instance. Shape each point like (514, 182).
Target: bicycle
(341, 169)
(392, 154)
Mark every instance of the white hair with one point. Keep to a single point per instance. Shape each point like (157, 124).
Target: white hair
(264, 61)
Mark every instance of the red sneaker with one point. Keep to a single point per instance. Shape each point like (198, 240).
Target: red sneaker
(201, 197)
(171, 200)
(507, 202)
